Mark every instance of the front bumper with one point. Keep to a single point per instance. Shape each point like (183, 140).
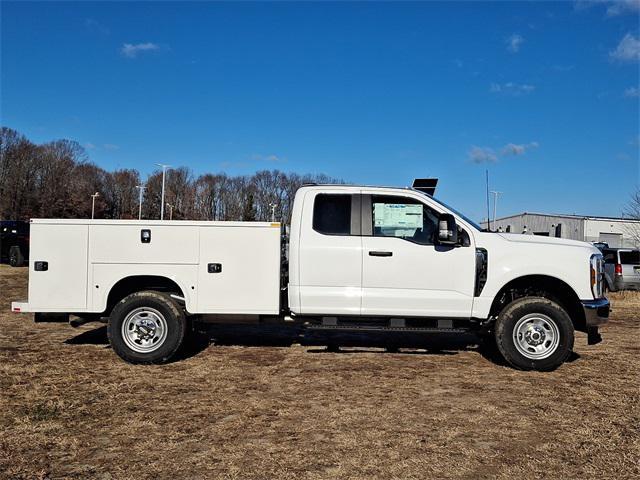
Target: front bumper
(596, 312)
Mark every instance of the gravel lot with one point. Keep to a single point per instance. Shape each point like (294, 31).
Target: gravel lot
(69, 408)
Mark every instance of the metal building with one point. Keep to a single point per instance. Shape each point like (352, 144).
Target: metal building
(617, 232)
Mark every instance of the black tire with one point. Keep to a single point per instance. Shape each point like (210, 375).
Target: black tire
(539, 317)
(150, 306)
(16, 259)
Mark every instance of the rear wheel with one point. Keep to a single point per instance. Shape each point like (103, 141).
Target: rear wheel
(16, 259)
(146, 327)
(534, 333)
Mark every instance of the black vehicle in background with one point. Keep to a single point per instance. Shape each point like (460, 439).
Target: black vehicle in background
(14, 242)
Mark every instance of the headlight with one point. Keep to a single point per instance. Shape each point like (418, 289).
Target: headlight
(597, 275)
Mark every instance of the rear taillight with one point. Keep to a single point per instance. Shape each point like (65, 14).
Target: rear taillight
(618, 269)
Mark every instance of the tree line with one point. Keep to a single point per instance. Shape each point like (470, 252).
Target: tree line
(56, 180)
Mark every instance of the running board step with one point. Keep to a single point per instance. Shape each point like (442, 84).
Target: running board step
(382, 329)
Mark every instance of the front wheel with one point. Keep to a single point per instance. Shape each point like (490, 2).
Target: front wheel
(146, 327)
(534, 333)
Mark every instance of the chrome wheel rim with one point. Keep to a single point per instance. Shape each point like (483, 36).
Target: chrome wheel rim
(144, 330)
(536, 336)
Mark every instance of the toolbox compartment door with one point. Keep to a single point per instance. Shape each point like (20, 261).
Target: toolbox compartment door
(61, 285)
(165, 244)
(239, 270)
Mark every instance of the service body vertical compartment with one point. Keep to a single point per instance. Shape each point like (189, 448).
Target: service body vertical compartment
(239, 270)
(60, 252)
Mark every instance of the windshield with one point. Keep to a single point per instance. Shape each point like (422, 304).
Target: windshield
(462, 216)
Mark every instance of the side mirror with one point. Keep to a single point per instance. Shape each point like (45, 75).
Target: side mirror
(447, 229)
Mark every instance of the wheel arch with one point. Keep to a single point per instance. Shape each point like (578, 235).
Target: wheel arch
(137, 283)
(543, 286)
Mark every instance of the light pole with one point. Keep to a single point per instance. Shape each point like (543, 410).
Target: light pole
(170, 211)
(273, 211)
(141, 189)
(164, 171)
(93, 203)
(495, 205)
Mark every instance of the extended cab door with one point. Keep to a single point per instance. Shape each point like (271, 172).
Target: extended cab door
(403, 271)
(330, 254)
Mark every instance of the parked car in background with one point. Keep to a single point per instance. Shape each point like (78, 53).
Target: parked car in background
(622, 269)
(14, 242)
(600, 245)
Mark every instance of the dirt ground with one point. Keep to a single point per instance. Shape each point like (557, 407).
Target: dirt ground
(69, 408)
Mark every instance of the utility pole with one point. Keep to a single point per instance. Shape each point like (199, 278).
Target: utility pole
(273, 211)
(164, 171)
(170, 207)
(495, 205)
(93, 203)
(487, 184)
(141, 189)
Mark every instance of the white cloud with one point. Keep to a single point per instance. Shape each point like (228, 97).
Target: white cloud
(628, 50)
(95, 26)
(489, 155)
(517, 149)
(514, 42)
(266, 158)
(620, 7)
(482, 155)
(511, 88)
(614, 7)
(89, 146)
(632, 92)
(130, 50)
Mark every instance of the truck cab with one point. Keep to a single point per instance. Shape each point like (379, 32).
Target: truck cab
(356, 259)
(375, 252)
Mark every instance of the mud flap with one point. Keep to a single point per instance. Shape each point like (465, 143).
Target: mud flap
(593, 336)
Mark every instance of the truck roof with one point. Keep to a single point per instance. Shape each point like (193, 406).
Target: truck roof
(355, 186)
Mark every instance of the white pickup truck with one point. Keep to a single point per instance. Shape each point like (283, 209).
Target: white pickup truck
(357, 258)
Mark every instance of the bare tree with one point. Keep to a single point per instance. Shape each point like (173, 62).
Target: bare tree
(56, 179)
(208, 196)
(57, 162)
(119, 193)
(235, 199)
(632, 211)
(179, 192)
(19, 165)
(152, 196)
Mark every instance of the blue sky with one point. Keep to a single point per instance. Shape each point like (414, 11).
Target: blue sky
(544, 95)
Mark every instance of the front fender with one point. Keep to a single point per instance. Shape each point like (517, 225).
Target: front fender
(508, 261)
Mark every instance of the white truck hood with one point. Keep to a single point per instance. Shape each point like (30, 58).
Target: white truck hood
(523, 238)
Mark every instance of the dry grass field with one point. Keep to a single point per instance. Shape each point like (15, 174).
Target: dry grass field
(69, 408)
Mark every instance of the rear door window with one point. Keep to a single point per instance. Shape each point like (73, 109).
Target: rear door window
(332, 214)
(630, 258)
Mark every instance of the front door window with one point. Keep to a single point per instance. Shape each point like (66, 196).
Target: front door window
(403, 218)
